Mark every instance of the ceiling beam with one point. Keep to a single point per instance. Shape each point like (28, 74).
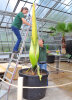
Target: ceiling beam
(14, 14)
(1, 27)
(6, 13)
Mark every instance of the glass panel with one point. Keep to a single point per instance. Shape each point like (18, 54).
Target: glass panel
(66, 1)
(1, 17)
(61, 7)
(6, 19)
(45, 2)
(3, 24)
(52, 14)
(65, 17)
(39, 24)
(69, 10)
(58, 16)
(70, 18)
(48, 24)
(21, 4)
(39, 10)
(62, 1)
(44, 12)
(9, 25)
(39, 1)
(36, 1)
(66, 8)
(10, 20)
(58, 6)
(11, 5)
(3, 4)
(31, 1)
(51, 4)
(3, 36)
(25, 0)
(70, 3)
(55, 14)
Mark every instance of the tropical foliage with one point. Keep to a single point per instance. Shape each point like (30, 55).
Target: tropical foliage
(62, 28)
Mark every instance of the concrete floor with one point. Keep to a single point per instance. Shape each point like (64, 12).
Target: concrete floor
(51, 94)
(64, 93)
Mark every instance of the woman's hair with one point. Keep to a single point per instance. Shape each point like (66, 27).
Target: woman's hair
(24, 8)
(43, 41)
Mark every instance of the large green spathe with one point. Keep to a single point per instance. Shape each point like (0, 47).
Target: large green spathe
(34, 47)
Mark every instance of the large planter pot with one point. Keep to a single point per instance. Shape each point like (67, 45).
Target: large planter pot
(50, 58)
(33, 81)
(1, 75)
(69, 47)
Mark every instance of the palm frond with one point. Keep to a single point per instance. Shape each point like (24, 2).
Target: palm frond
(52, 29)
(69, 27)
(61, 27)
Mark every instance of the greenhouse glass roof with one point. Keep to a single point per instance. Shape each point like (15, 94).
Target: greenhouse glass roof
(48, 12)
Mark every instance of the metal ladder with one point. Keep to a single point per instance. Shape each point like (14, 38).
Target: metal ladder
(16, 60)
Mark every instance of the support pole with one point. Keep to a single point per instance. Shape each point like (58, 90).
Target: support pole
(20, 90)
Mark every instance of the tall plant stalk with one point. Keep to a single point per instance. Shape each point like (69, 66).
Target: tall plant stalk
(34, 47)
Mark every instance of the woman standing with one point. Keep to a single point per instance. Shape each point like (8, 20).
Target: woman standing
(16, 25)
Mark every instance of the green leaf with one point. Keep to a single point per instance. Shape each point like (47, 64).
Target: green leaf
(53, 34)
(34, 54)
(52, 29)
(61, 27)
(38, 72)
(47, 47)
(69, 27)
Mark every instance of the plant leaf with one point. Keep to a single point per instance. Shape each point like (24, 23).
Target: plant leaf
(69, 27)
(60, 27)
(34, 54)
(52, 29)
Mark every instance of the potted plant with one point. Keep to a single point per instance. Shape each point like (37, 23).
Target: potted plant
(62, 28)
(34, 77)
(50, 58)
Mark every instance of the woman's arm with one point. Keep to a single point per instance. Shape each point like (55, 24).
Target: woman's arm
(25, 22)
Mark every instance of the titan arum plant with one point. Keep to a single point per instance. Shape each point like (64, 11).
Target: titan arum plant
(34, 47)
(62, 28)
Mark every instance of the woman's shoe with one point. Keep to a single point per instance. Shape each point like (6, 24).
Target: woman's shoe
(15, 51)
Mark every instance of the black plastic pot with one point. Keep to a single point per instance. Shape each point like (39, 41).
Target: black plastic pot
(69, 47)
(33, 81)
(1, 75)
(50, 58)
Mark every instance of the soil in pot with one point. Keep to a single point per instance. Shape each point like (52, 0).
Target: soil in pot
(32, 80)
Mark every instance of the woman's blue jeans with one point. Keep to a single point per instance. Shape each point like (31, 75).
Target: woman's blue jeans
(17, 33)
